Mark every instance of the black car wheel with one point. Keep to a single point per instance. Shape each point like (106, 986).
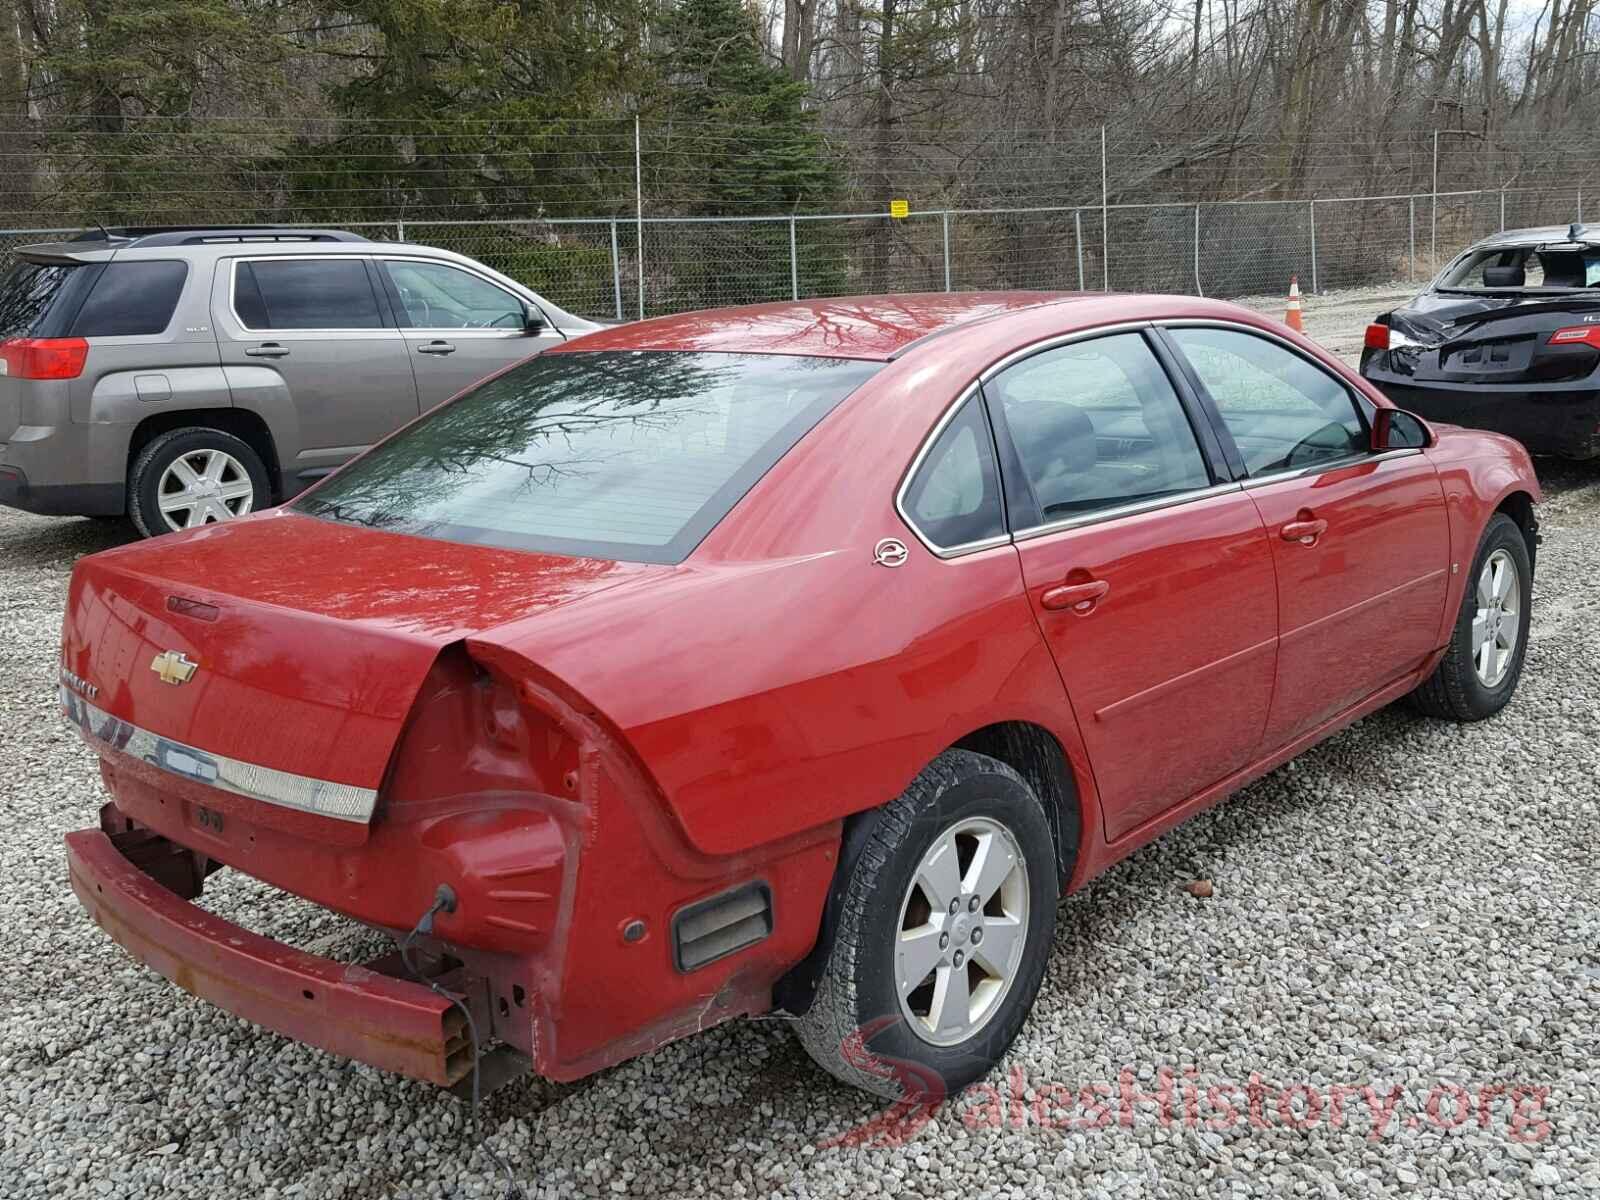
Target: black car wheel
(942, 937)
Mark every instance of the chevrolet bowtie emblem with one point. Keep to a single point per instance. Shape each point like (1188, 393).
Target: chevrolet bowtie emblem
(173, 667)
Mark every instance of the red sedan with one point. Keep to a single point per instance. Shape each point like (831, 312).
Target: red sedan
(793, 657)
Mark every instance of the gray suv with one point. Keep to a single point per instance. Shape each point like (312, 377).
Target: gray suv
(185, 376)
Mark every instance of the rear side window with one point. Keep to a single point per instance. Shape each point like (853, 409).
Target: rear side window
(954, 498)
(305, 293)
(1097, 425)
(27, 295)
(131, 298)
(627, 455)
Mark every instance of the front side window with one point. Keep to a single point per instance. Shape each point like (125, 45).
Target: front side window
(1097, 424)
(305, 293)
(954, 498)
(1282, 412)
(131, 298)
(616, 454)
(439, 297)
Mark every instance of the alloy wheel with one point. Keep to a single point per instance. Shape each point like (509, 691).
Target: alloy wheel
(1497, 623)
(202, 487)
(963, 925)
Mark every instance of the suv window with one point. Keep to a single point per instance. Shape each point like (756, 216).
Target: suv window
(954, 498)
(1283, 412)
(1097, 424)
(131, 298)
(435, 296)
(305, 293)
(613, 454)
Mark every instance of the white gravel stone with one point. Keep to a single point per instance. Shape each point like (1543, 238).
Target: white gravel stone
(1411, 904)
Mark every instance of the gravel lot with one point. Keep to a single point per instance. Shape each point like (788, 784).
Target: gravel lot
(1410, 905)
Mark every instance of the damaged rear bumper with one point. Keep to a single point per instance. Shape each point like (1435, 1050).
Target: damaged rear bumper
(360, 1013)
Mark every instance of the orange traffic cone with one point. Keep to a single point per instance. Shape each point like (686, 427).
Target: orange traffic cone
(1292, 317)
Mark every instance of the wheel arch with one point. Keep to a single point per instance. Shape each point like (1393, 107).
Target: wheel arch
(243, 424)
(1036, 754)
(1029, 749)
(1518, 505)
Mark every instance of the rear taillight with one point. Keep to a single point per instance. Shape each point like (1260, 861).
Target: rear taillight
(1575, 335)
(1382, 337)
(43, 358)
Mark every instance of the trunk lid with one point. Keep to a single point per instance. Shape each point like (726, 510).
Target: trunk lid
(1493, 339)
(309, 639)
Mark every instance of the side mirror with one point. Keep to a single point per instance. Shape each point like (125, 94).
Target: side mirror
(1396, 429)
(532, 319)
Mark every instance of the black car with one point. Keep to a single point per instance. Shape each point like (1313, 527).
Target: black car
(1506, 338)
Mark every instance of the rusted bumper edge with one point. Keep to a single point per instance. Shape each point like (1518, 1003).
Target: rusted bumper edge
(389, 1023)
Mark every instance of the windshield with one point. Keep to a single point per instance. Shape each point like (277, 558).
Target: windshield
(1562, 267)
(26, 294)
(628, 455)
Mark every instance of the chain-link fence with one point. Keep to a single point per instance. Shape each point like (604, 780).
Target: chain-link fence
(621, 268)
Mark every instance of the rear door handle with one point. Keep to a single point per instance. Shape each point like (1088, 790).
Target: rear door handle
(1305, 531)
(1080, 597)
(436, 347)
(267, 350)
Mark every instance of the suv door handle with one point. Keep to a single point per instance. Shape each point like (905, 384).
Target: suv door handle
(436, 347)
(267, 350)
(1306, 531)
(1080, 597)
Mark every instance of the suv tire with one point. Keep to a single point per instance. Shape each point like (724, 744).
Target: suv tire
(226, 478)
(1460, 688)
(871, 1024)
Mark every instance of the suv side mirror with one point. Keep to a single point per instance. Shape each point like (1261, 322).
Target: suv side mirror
(1396, 429)
(532, 319)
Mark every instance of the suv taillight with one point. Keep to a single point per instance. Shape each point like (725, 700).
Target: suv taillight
(43, 358)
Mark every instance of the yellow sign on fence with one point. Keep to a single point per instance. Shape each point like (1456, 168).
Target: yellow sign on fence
(899, 208)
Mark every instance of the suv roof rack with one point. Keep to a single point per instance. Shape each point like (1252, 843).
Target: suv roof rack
(199, 235)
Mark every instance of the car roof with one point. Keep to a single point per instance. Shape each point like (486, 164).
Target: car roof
(869, 327)
(220, 245)
(954, 325)
(1539, 235)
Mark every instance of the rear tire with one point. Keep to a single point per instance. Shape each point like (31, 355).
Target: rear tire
(1479, 672)
(969, 825)
(195, 476)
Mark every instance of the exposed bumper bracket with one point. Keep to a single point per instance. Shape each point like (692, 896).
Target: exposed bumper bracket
(393, 1024)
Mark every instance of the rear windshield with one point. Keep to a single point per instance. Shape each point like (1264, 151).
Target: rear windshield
(26, 294)
(626, 455)
(1532, 267)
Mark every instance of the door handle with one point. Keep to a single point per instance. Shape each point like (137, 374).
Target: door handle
(436, 347)
(1079, 597)
(1306, 531)
(267, 350)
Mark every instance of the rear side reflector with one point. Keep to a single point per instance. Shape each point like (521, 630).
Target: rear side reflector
(1574, 335)
(43, 358)
(711, 929)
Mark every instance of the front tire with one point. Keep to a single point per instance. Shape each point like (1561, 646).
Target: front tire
(1479, 672)
(195, 476)
(942, 937)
